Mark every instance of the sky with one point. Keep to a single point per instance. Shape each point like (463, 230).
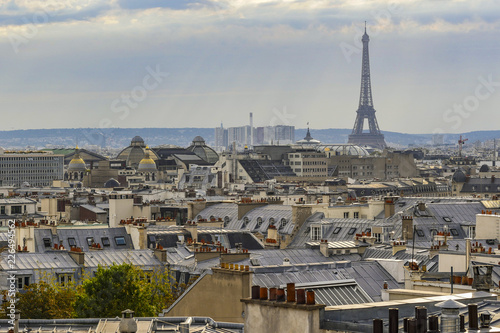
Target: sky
(174, 63)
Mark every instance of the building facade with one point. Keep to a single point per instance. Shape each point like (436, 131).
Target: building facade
(30, 169)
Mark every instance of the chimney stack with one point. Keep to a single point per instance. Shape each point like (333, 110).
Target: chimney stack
(407, 222)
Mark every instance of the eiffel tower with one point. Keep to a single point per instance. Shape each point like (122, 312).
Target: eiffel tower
(372, 138)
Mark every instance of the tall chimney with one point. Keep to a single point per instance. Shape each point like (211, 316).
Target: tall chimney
(467, 255)
(389, 206)
(407, 224)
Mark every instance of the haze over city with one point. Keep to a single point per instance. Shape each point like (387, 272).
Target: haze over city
(197, 63)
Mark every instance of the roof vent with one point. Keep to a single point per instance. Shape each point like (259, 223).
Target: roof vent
(127, 324)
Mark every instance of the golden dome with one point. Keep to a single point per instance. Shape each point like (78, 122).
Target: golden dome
(147, 163)
(77, 163)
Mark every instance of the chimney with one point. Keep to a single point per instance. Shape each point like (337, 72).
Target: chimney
(398, 246)
(492, 178)
(272, 233)
(393, 320)
(77, 255)
(468, 250)
(389, 206)
(192, 228)
(472, 308)
(407, 222)
(323, 248)
(450, 320)
(421, 316)
(482, 282)
(421, 206)
(127, 323)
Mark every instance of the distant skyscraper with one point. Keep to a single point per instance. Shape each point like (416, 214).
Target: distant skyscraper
(365, 110)
(221, 134)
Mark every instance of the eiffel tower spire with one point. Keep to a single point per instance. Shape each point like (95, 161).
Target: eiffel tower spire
(365, 110)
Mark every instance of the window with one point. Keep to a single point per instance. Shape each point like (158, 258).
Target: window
(15, 210)
(105, 241)
(23, 281)
(446, 219)
(47, 242)
(346, 215)
(2, 210)
(454, 232)
(420, 233)
(90, 241)
(259, 222)
(356, 215)
(283, 222)
(337, 230)
(64, 279)
(316, 233)
(472, 232)
(271, 221)
(351, 231)
(72, 242)
(120, 241)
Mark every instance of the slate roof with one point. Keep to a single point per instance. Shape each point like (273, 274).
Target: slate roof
(333, 229)
(481, 185)
(144, 259)
(81, 236)
(385, 252)
(168, 237)
(278, 215)
(369, 276)
(55, 260)
(220, 211)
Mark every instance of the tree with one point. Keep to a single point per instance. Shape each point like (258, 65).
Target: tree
(46, 300)
(121, 287)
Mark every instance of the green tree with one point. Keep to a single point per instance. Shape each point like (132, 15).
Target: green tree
(46, 300)
(121, 287)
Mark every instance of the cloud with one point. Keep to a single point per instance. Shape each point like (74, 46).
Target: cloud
(232, 57)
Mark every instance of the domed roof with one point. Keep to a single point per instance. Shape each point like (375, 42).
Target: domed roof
(137, 141)
(111, 183)
(134, 153)
(203, 151)
(198, 139)
(484, 168)
(147, 164)
(77, 163)
(459, 176)
(343, 149)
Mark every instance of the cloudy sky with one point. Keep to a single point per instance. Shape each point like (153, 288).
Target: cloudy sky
(174, 63)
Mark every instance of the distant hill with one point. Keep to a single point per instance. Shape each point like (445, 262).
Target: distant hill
(120, 137)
